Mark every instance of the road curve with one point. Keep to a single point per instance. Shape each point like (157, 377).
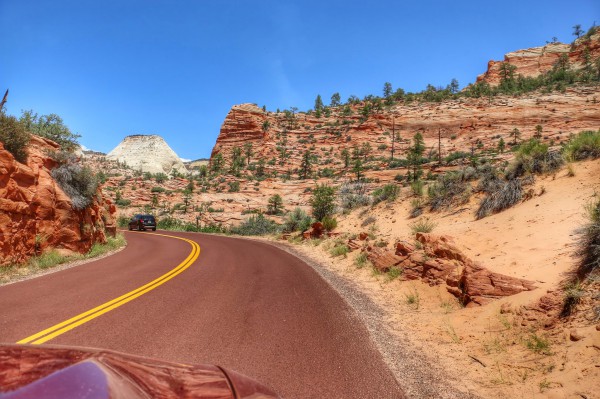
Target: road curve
(243, 305)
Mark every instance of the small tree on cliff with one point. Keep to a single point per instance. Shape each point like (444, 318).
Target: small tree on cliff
(336, 99)
(248, 151)
(538, 132)
(387, 90)
(577, 31)
(415, 153)
(318, 106)
(275, 205)
(216, 163)
(501, 145)
(322, 202)
(516, 134)
(358, 168)
(345, 154)
(306, 165)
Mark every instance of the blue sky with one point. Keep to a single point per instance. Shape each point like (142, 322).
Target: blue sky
(174, 68)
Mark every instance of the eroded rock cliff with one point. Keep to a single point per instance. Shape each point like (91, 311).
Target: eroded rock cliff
(36, 214)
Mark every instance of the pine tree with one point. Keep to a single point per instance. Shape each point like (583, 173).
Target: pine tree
(275, 205)
(501, 145)
(336, 100)
(318, 103)
(306, 165)
(516, 134)
(387, 89)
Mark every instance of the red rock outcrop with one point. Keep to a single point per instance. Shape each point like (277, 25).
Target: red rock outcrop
(440, 261)
(35, 213)
(538, 60)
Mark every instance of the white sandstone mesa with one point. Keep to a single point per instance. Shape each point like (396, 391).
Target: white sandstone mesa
(147, 153)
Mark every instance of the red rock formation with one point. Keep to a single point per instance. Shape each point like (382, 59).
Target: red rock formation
(35, 213)
(537, 60)
(440, 261)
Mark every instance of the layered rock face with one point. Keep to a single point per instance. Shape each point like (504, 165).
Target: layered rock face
(534, 61)
(147, 153)
(35, 213)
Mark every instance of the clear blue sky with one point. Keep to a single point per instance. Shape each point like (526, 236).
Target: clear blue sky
(174, 68)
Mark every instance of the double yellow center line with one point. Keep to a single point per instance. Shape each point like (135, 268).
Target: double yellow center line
(67, 325)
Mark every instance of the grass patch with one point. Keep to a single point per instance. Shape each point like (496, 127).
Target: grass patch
(538, 344)
(339, 250)
(361, 260)
(573, 294)
(413, 299)
(53, 258)
(422, 226)
(112, 243)
(394, 273)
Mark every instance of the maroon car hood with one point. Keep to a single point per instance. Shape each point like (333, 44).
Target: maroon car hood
(49, 372)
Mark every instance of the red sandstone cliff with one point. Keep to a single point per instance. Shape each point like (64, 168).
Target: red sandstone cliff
(534, 61)
(36, 214)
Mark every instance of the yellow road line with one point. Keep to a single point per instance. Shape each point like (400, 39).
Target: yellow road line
(67, 325)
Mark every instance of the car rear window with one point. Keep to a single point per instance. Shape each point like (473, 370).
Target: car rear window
(151, 218)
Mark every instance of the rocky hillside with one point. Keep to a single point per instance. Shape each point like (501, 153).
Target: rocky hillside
(36, 214)
(534, 61)
(147, 153)
(281, 139)
(566, 102)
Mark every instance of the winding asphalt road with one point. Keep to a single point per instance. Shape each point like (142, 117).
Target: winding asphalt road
(243, 305)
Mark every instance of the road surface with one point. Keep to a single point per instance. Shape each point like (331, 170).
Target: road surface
(240, 304)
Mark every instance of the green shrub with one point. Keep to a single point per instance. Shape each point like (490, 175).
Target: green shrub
(77, 181)
(353, 195)
(500, 195)
(51, 127)
(533, 157)
(157, 190)
(448, 190)
(589, 241)
(322, 201)
(417, 187)
(234, 186)
(329, 223)
(456, 155)
(389, 193)
(14, 137)
(297, 220)
(123, 202)
(583, 146)
(123, 221)
(256, 225)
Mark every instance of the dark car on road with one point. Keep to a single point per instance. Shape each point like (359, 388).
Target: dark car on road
(142, 222)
